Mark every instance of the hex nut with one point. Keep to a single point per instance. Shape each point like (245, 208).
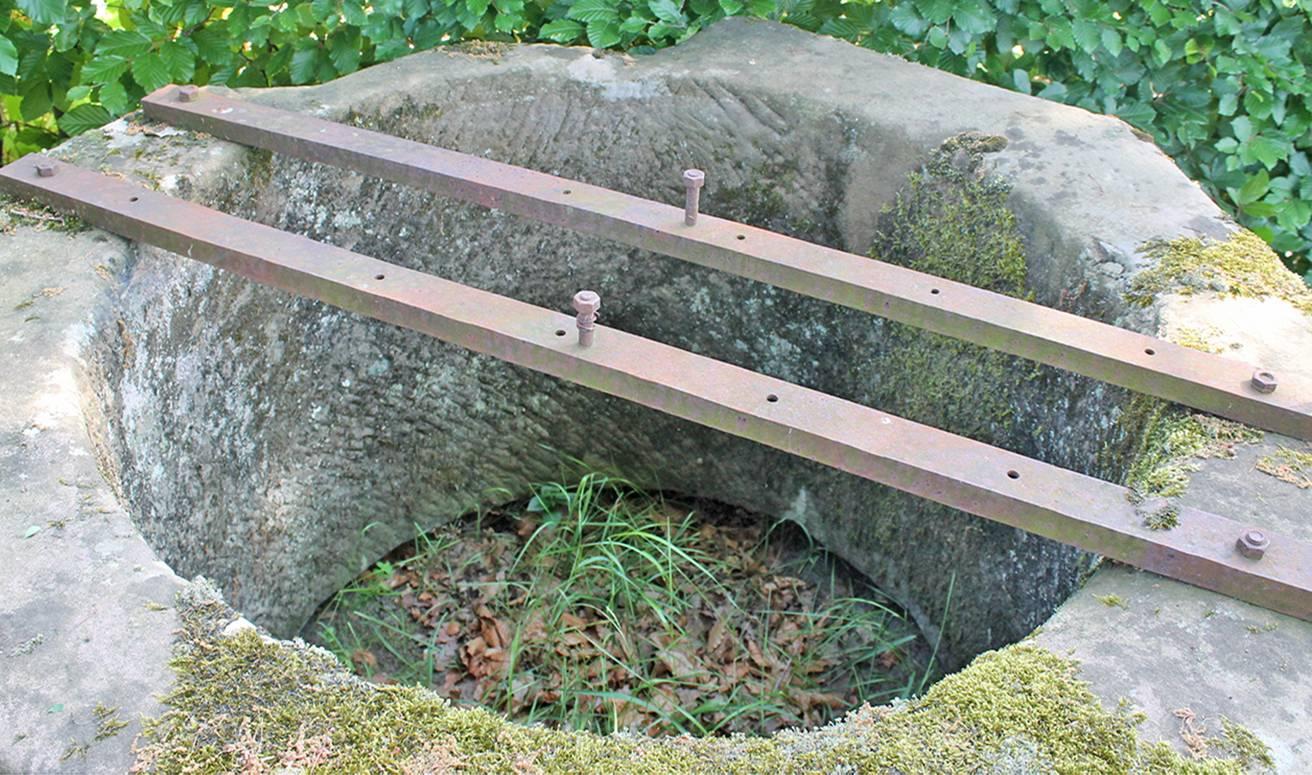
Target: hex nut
(45, 169)
(1264, 381)
(693, 178)
(587, 302)
(188, 93)
(1253, 544)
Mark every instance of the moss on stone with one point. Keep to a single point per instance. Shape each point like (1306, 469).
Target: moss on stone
(1113, 601)
(1243, 265)
(1197, 339)
(1175, 438)
(1164, 517)
(1289, 465)
(1240, 744)
(16, 211)
(951, 220)
(249, 703)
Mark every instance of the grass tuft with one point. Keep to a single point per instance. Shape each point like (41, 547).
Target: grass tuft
(598, 606)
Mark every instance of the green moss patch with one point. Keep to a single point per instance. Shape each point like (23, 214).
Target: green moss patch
(1174, 441)
(248, 703)
(1289, 465)
(1242, 265)
(951, 220)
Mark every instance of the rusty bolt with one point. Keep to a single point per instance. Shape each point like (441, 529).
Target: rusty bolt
(188, 93)
(1252, 544)
(586, 303)
(45, 169)
(1264, 381)
(692, 184)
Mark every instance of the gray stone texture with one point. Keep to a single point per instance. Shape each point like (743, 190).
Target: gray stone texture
(279, 446)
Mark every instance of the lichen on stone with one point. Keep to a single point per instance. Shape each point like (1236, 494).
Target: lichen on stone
(1197, 339)
(1243, 265)
(1289, 465)
(250, 703)
(1173, 441)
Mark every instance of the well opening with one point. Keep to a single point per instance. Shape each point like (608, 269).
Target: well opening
(280, 446)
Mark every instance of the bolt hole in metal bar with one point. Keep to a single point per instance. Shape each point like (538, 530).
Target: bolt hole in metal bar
(1204, 550)
(1202, 380)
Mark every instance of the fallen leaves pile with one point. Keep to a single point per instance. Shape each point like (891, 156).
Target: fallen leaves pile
(596, 606)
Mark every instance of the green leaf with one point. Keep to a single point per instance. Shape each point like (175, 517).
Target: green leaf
(180, 61)
(1021, 80)
(105, 68)
(344, 50)
(937, 11)
(590, 11)
(1252, 190)
(44, 12)
(1111, 40)
(1264, 149)
(565, 30)
(974, 17)
(1162, 50)
(150, 72)
(668, 12)
(305, 63)
(1054, 91)
(31, 531)
(1294, 215)
(1242, 128)
(124, 43)
(907, 21)
(84, 117)
(603, 33)
(1139, 114)
(115, 98)
(937, 37)
(1227, 104)
(8, 56)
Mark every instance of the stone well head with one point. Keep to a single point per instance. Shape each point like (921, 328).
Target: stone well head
(278, 446)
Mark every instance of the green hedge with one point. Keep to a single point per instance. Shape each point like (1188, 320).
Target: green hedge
(1222, 86)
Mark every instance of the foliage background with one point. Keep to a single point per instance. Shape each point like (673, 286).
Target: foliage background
(1222, 85)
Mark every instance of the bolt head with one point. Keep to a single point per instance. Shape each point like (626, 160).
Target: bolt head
(188, 93)
(1253, 543)
(587, 302)
(45, 169)
(693, 178)
(1264, 381)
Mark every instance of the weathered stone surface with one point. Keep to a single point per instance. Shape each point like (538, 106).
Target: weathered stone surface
(278, 446)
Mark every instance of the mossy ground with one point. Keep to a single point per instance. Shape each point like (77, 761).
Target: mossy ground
(251, 704)
(1242, 265)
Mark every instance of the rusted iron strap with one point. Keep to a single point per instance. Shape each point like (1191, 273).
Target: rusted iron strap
(930, 463)
(1108, 353)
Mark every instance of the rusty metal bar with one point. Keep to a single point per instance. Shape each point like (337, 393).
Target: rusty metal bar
(1142, 363)
(1205, 549)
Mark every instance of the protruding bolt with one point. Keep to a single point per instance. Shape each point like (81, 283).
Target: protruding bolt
(1252, 544)
(586, 303)
(188, 93)
(692, 184)
(45, 169)
(1264, 381)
